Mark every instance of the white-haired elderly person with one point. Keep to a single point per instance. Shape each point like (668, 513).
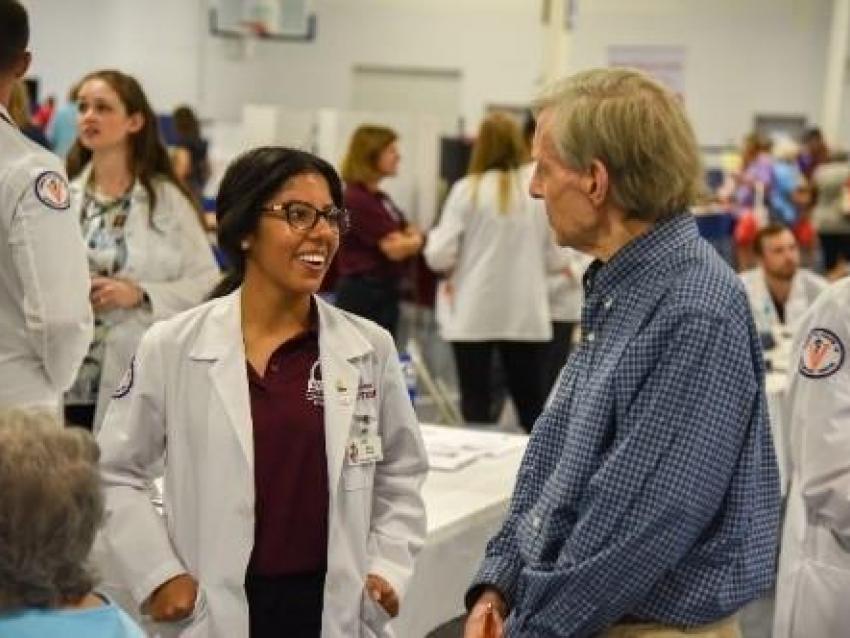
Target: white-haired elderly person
(50, 509)
(648, 500)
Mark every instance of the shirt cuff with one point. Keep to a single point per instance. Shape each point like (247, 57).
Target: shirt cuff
(498, 572)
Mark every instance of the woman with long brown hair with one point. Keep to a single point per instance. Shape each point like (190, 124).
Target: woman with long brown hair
(492, 243)
(148, 256)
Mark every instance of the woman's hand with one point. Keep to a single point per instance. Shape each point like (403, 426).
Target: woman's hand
(486, 619)
(173, 600)
(109, 293)
(382, 593)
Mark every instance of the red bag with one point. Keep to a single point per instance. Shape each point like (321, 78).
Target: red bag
(746, 228)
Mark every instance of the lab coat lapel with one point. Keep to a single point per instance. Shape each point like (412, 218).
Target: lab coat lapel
(340, 345)
(220, 342)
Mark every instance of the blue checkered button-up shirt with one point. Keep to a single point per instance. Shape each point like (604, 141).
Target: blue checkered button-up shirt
(649, 489)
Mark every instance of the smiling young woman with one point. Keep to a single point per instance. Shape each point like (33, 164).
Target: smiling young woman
(293, 456)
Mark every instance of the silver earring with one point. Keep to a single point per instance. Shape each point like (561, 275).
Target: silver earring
(245, 244)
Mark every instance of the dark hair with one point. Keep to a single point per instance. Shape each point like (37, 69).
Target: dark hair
(148, 157)
(14, 32)
(770, 230)
(186, 123)
(248, 184)
(812, 134)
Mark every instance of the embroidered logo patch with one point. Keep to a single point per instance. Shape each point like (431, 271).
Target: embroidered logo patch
(52, 190)
(823, 354)
(126, 384)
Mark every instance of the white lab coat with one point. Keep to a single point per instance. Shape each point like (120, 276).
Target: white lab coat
(565, 287)
(805, 288)
(172, 262)
(813, 585)
(45, 316)
(188, 408)
(496, 263)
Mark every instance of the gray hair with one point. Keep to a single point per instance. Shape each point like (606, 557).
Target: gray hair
(51, 506)
(637, 128)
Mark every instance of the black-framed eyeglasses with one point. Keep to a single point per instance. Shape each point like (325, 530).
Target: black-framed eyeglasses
(303, 217)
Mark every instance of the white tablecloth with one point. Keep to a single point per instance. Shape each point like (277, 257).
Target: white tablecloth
(465, 508)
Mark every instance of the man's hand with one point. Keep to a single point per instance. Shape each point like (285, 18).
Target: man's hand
(173, 600)
(486, 619)
(382, 593)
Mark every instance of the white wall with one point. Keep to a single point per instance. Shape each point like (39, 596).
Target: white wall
(743, 56)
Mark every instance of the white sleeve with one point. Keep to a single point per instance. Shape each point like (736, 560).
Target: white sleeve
(398, 525)
(819, 406)
(199, 271)
(443, 245)
(132, 440)
(50, 259)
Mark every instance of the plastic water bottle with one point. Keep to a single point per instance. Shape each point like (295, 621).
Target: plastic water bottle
(408, 371)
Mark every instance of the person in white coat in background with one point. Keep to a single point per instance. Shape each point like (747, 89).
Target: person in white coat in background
(148, 255)
(566, 296)
(493, 244)
(291, 454)
(779, 291)
(45, 318)
(813, 584)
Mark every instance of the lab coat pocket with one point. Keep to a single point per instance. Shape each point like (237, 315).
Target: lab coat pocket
(357, 477)
(375, 618)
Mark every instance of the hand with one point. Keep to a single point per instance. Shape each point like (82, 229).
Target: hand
(173, 600)
(109, 293)
(382, 593)
(486, 619)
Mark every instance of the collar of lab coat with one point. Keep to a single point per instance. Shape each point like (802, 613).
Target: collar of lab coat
(78, 186)
(340, 345)
(4, 114)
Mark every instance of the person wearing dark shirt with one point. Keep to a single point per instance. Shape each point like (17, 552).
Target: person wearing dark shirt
(190, 157)
(381, 239)
(293, 459)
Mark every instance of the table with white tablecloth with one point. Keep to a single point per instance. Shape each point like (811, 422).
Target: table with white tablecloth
(465, 507)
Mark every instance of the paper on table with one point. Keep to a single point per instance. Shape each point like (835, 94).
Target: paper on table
(453, 448)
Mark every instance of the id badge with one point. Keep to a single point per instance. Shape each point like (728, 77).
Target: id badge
(364, 449)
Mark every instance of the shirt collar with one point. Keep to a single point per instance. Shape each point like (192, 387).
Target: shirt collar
(651, 250)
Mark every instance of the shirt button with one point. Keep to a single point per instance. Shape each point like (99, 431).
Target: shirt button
(608, 303)
(590, 337)
(535, 522)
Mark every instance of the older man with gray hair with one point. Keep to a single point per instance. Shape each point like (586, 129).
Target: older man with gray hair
(50, 509)
(647, 503)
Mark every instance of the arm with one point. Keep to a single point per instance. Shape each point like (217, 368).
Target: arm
(199, 271)
(819, 408)
(659, 488)
(132, 440)
(401, 244)
(182, 162)
(50, 260)
(398, 523)
(441, 252)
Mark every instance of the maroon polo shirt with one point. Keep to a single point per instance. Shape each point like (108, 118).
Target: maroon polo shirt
(290, 465)
(373, 217)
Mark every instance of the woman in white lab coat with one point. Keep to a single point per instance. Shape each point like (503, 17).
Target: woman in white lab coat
(148, 255)
(813, 584)
(237, 545)
(492, 243)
